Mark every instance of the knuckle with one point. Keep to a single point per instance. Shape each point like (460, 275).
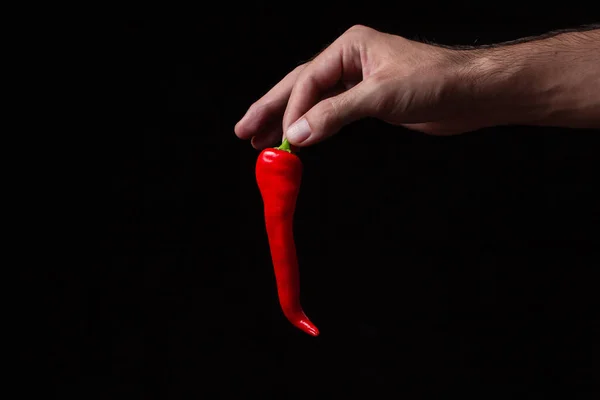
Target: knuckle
(260, 110)
(304, 83)
(331, 109)
(251, 111)
(357, 28)
(300, 67)
(255, 108)
(296, 71)
(357, 37)
(330, 113)
(360, 30)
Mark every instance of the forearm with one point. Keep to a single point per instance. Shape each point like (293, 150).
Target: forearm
(548, 82)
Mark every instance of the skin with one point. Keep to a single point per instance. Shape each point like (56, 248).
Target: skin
(553, 80)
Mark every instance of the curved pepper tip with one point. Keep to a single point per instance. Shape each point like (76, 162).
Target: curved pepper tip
(308, 327)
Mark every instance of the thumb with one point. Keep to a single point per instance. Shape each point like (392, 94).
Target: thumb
(329, 115)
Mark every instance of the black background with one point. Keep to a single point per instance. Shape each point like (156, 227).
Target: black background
(432, 266)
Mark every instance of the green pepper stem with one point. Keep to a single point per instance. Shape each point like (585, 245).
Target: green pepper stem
(285, 146)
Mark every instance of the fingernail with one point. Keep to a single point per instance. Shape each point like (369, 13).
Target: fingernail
(299, 131)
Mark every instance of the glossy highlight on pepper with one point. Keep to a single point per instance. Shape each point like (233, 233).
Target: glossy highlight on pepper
(278, 174)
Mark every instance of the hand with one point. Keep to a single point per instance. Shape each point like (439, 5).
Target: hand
(366, 73)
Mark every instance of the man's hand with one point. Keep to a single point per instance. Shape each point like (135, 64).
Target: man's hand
(436, 90)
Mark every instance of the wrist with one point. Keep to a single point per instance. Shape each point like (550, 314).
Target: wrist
(551, 82)
(505, 88)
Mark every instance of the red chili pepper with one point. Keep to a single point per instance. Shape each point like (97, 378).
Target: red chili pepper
(278, 174)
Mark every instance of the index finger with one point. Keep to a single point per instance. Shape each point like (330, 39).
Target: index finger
(340, 61)
(270, 106)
